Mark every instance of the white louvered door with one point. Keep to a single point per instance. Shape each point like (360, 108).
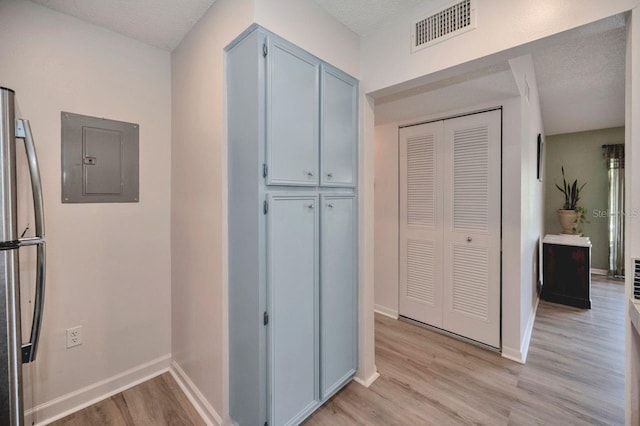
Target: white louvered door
(450, 225)
(472, 227)
(421, 200)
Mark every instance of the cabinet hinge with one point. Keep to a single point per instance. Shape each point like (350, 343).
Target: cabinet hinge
(265, 170)
(265, 207)
(265, 318)
(265, 50)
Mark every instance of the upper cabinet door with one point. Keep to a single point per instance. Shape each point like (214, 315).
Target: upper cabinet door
(292, 115)
(339, 124)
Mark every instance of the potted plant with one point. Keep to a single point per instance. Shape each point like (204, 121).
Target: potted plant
(570, 215)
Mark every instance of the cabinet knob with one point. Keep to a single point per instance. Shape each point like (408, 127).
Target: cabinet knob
(329, 175)
(310, 206)
(469, 239)
(310, 174)
(330, 205)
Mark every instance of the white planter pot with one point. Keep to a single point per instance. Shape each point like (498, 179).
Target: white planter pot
(568, 219)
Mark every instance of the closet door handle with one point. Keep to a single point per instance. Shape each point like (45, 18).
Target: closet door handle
(469, 239)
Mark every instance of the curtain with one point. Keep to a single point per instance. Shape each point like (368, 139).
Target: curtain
(614, 156)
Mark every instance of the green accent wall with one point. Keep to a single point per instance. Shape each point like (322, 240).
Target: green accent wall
(581, 155)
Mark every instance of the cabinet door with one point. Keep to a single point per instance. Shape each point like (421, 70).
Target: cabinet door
(339, 136)
(338, 291)
(292, 115)
(292, 258)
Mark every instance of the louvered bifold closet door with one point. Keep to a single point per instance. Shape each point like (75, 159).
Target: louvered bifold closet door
(421, 223)
(472, 228)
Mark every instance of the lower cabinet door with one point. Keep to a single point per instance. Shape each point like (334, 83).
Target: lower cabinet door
(293, 338)
(338, 291)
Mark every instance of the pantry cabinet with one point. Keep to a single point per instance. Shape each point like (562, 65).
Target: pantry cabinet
(292, 172)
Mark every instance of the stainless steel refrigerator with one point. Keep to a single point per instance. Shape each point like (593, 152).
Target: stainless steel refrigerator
(13, 351)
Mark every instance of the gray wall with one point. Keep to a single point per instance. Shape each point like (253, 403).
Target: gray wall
(581, 155)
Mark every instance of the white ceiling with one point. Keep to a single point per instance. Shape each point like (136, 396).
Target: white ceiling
(159, 23)
(363, 16)
(163, 23)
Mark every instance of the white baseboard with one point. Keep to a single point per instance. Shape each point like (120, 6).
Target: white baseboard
(387, 312)
(512, 354)
(527, 334)
(596, 271)
(197, 399)
(520, 355)
(64, 405)
(369, 381)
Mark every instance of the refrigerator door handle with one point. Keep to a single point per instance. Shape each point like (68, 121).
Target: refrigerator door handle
(29, 350)
(23, 130)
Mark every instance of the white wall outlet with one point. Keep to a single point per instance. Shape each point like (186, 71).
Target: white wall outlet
(74, 336)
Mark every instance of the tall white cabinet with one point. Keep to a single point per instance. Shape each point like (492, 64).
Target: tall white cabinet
(292, 139)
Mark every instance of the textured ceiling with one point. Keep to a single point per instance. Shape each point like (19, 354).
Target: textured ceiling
(160, 23)
(582, 82)
(580, 76)
(363, 16)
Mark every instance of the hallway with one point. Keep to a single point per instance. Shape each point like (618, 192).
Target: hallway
(574, 373)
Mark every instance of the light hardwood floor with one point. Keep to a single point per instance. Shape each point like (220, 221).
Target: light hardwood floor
(574, 376)
(157, 402)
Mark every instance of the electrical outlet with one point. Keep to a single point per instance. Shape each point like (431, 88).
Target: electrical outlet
(74, 336)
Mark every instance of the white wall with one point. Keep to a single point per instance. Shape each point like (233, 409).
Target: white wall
(108, 266)
(199, 180)
(386, 57)
(512, 147)
(632, 203)
(387, 219)
(198, 205)
(532, 195)
(310, 27)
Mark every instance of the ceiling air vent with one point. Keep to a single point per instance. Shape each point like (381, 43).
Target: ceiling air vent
(636, 279)
(447, 22)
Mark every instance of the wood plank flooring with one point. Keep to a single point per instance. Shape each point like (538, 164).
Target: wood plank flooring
(574, 374)
(157, 402)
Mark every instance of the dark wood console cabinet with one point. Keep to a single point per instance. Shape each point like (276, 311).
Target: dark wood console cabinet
(567, 270)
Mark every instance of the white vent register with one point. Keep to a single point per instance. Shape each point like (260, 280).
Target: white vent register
(446, 22)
